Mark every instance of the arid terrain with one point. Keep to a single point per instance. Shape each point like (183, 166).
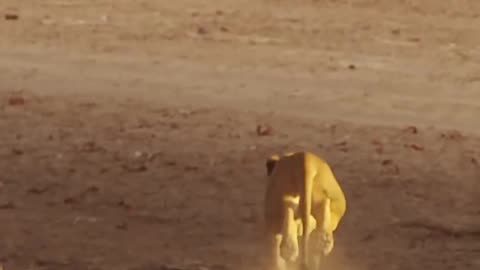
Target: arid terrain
(128, 129)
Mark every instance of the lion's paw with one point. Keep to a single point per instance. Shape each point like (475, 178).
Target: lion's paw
(328, 243)
(289, 248)
(322, 243)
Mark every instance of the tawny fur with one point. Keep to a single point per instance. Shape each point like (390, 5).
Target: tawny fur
(302, 196)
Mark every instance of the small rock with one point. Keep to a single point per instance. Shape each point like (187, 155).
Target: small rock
(7, 205)
(135, 167)
(368, 237)
(174, 126)
(264, 130)
(341, 143)
(17, 152)
(191, 168)
(453, 135)
(38, 190)
(414, 39)
(16, 101)
(122, 226)
(92, 189)
(185, 112)
(87, 219)
(171, 163)
(415, 147)
(411, 129)
(11, 17)
(202, 30)
(48, 21)
(377, 142)
(90, 147)
(473, 160)
(387, 162)
(104, 18)
(125, 205)
(69, 200)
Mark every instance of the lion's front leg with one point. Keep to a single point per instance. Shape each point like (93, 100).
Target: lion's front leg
(289, 248)
(275, 259)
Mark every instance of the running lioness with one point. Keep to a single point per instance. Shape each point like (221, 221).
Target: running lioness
(303, 199)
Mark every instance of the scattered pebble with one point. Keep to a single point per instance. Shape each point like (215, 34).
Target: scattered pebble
(415, 147)
(202, 30)
(5, 205)
(411, 129)
(11, 17)
(122, 226)
(264, 130)
(16, 101)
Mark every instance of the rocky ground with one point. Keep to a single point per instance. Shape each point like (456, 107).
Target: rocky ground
(128, 129)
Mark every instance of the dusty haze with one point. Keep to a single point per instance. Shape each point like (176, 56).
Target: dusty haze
(127, 129)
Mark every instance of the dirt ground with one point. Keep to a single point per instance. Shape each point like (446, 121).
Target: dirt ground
(128, 129)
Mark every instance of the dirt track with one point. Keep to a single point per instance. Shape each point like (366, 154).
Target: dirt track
(135, 147)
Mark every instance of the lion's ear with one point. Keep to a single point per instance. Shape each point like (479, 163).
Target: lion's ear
(271, 162)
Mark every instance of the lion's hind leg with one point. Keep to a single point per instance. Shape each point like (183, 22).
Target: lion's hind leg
(313, 225)
(321, 241)
(326, 227)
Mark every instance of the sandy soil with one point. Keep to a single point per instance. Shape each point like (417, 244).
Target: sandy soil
(127, 129)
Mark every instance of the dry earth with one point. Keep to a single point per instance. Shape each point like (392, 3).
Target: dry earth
(127, 129)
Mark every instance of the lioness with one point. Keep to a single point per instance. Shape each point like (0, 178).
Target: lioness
(303, 200)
